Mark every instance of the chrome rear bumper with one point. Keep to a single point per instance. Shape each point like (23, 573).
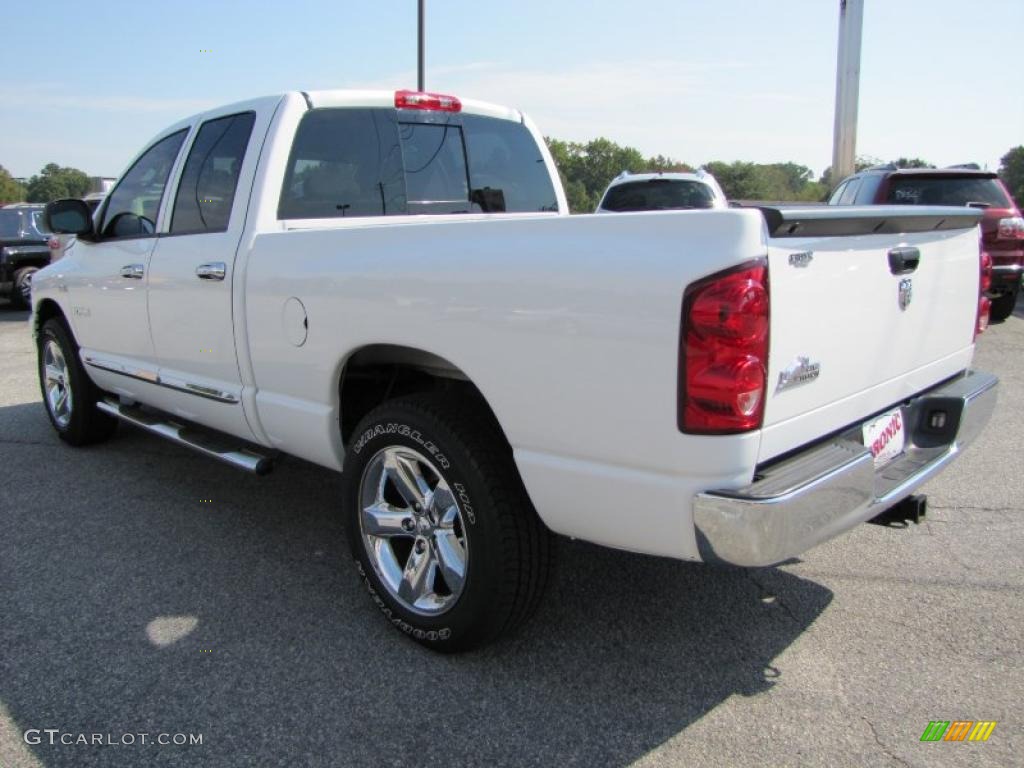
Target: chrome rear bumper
(832, 486)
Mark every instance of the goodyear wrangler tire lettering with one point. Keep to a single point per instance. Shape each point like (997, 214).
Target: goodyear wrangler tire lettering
(405, 431)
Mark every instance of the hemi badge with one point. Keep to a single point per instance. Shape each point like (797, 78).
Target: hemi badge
(803, 371)
(801, 259)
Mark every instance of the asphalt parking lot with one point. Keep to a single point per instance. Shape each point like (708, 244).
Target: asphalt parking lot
(144, 589)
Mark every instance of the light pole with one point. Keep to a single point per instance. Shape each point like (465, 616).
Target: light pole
(844, 142)
(420, 82)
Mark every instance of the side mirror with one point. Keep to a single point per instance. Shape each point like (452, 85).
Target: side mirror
(68, 217)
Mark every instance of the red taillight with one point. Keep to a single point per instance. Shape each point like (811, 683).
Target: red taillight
(53, 243)
(723, 355)
(1011, 228)
(984, 283)
(984, 308)
(434, 102)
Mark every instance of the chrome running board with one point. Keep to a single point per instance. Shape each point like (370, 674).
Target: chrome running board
(216, 445)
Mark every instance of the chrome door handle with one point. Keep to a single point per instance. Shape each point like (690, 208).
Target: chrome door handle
(214, 270)
(133, 271)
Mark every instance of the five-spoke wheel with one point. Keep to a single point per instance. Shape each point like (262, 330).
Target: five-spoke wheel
(443, 533)
(413, 530)
(56, 383)
(69, 395)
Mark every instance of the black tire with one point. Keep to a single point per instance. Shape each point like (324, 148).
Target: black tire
(1002, 307)
(21, 291)
(85, 423)
(508, 550)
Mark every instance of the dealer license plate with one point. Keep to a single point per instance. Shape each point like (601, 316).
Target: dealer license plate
(884, 436)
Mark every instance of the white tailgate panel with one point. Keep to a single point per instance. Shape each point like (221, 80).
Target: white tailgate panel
(842, 311)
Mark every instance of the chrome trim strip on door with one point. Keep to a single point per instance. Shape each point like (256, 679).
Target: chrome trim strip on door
(135, 373)
(179, 385)
(201, 390)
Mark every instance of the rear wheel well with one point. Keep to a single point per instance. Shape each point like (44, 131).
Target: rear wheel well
(382, 372)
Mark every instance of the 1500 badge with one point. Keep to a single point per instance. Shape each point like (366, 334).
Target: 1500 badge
(803, 371)
(801, 259)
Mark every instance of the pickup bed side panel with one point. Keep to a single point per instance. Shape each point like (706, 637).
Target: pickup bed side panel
(569, 326)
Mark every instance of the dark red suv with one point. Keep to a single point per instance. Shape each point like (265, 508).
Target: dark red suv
(1002, 226)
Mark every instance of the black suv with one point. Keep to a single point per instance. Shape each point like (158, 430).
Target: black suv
(1002, 228)
(23, 251)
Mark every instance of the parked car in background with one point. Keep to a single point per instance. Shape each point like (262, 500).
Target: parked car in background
(58, 244)
(23, 250)
(1001, 224)
(661, 192)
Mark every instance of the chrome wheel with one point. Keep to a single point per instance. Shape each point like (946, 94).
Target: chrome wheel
(56, 383)
(412, 530)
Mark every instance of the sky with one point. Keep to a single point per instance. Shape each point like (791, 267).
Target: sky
(88, 84)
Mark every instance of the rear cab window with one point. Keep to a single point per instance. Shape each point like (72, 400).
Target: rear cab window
(348, 162)
(658, 195)
(936, 189)
(436, 175)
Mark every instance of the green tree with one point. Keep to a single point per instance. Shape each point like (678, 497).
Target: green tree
(586, 169)
(767, 181)
(11, 191)
(666, 165)
(1011, 170)
(912, 162)
(55, 182)
(862, 162)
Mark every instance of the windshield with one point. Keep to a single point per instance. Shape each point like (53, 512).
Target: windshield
(946, 190)
(658, 195)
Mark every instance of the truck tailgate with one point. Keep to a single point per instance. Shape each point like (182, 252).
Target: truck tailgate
(869, 305)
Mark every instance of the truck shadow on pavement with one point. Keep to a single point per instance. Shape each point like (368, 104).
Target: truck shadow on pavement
(146, 590)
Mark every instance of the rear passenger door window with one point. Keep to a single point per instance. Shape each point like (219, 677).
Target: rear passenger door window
(209, 181)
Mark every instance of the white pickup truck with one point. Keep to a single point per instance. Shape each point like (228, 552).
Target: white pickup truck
(385, 284)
